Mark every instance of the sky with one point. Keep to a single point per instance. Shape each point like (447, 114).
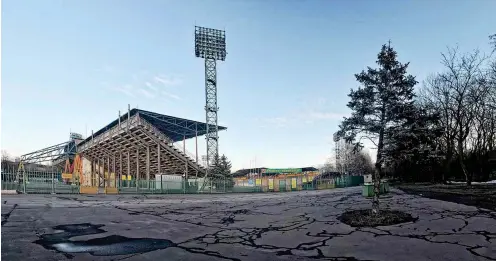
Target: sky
(282, 91)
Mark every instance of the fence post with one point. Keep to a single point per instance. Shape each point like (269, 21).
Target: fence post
(24, 181)
(161, 189)
(53, 183)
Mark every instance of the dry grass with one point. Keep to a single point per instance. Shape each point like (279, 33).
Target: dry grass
(483, 196)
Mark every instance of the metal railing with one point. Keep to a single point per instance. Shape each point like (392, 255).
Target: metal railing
(48, 181)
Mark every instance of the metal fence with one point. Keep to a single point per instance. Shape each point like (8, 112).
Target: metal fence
(296, 183)
(36, 181)
(47, 181)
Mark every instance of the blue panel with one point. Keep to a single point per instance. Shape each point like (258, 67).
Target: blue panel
(175, 128)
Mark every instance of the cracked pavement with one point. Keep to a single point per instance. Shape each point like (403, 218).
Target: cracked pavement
(271, 226)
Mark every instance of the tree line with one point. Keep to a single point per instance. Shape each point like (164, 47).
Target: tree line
(464, 98)
(444, 129)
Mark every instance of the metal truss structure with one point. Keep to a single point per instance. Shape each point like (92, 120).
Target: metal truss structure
(141, 145)
(55, 154)
(210, 44)
(175, 128)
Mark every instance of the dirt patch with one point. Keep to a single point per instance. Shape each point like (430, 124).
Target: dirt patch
(227, 220)
(241, 211)
(365, 218)
(482, 196)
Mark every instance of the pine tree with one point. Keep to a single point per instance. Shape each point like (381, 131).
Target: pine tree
(216, 168)
(412, 145)
(225, 166)
(378, 106)
(220, 172)
(226, 171)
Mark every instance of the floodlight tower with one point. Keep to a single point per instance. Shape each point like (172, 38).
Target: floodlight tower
(337, 148)
(210, 44)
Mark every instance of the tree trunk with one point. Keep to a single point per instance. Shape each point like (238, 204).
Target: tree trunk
(377, 186)
(468, 177)
(447, 166)
(378, 163)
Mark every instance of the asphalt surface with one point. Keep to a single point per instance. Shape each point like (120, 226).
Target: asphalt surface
(271, 226)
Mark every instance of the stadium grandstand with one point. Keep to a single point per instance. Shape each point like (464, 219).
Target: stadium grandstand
(132, 150)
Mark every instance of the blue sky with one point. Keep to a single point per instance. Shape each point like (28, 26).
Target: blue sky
(71, 65)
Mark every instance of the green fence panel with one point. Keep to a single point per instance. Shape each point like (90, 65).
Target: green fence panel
(39, 182)
(357, 180)
(9, 180)
(282, 185)
(46, 182)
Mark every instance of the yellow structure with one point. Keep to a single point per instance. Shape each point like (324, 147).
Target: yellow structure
(85, 185)
(279, 182)
(110, 190)
(88, 190)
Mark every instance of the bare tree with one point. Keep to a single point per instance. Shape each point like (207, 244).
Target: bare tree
(354, 162)
(328, 167)
(461, 95)
(492, 38)
(5, 156)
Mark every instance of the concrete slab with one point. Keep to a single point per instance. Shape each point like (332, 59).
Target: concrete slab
(279, 226)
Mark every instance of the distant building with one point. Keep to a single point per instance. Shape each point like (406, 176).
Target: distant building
(258, 172)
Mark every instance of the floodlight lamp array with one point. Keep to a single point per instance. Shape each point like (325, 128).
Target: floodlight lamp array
(210, 43)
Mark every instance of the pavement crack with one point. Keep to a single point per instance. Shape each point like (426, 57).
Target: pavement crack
(6, 216)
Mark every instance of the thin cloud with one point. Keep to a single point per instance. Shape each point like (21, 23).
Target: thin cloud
(274, 122)
(173, 96)
(145, 86)
(149, 85)
(167, 81)
(126, 89)
(147, 94)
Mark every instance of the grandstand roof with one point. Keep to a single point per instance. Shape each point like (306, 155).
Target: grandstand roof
(175, 128)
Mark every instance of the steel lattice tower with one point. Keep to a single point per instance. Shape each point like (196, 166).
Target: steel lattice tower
(337, 149)
(210, 44)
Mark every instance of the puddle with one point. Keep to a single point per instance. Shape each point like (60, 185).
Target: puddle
(105, 246)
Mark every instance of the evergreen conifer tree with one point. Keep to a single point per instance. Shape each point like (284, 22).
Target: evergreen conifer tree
(378, 107)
